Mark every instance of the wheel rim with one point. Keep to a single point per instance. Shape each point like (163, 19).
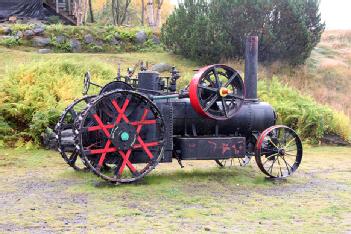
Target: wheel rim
(278, 151)
(124, 142)
(65, 132)
(114, 85)
(217, 92)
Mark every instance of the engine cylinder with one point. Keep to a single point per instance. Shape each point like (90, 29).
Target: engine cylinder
(252, 117)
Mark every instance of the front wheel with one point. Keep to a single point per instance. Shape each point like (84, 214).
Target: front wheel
(278, 151)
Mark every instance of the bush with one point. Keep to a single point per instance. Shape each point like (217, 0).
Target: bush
(33, 95)
(209, 31)
(311, 120)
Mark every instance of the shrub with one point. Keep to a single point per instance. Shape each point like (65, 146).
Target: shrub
(10, 42)
(33, 95)
(209, 31)
(311, 120)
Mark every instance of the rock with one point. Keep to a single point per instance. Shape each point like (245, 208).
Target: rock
(49, 139)
(117, 36)
(28, 33)
(5, 30)
(60, 39)
(99, 43)
(115, 42)
(161, 67)
(75, 45)
(38, 29)
(141, 37)
(19, 34)
(44, 51)
(41, 41)
(156, 40)
(12, 19)
(332, 139)
(89, 39)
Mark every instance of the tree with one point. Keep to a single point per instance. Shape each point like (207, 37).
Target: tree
(120, 11)
(91, 11)
(211, 30)
(150, 13)
(80, 8)
(159, 4)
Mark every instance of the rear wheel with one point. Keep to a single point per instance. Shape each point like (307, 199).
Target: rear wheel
(65, 133)
(124, 131)
(278, 151)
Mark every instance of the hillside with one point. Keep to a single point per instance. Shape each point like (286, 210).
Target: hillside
(327, 74)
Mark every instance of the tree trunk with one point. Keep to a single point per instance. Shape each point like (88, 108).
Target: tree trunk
(150, 13)
(158, 13)
(28, 8)
(91, 12)
(142, 12)
(80, 11)
(119, 11)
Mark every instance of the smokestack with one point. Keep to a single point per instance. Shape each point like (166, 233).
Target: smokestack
(251, 61)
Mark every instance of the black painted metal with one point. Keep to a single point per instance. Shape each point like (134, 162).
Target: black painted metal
(251, 63)
(209, 148)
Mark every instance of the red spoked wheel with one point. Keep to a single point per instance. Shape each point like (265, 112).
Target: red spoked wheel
(278, 151)
(217, 92)
(121, 136)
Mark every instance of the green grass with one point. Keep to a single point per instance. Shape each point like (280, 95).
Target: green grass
(40, 190)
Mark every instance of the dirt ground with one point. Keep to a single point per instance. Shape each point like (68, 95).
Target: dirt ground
(40, 194)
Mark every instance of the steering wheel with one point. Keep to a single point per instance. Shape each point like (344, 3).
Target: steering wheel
(86, 84)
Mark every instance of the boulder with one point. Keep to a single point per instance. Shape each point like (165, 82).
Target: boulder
(161, 67)
(5, 30)
(28, 33)
(117, 36)
(49, 139)
(75, 45)
(88, 39)
(44, 51)
(156, 40)
(60, 39)
(141, 37)
(38, 29)
(115, 42)
(99, 43)
(19, 34)
(41, 41)
(12, 19)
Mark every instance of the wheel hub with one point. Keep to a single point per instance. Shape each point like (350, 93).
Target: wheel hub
(123, 136)
(281, 152)
(223, 91)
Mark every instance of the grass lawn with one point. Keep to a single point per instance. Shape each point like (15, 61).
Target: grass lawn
(40, 193)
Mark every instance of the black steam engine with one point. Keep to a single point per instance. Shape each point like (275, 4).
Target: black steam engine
(122, 133)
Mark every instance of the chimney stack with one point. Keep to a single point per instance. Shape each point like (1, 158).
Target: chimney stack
(251, 62)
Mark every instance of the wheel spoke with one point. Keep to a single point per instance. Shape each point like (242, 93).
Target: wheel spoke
(210, 103)
(230, 80)
(208, 88)
(215, 73)
(224, 107)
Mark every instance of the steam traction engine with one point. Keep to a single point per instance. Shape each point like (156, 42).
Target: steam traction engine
(122, 133)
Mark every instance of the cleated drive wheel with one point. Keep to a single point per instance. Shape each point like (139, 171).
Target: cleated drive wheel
(121, 136)
(114, 85)
(278, 151)
(65, 132)
(217, 92)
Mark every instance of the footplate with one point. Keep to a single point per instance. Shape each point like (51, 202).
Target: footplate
(210, 148)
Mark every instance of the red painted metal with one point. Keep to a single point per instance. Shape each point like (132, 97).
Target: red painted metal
(193, 88)
(125, 156)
